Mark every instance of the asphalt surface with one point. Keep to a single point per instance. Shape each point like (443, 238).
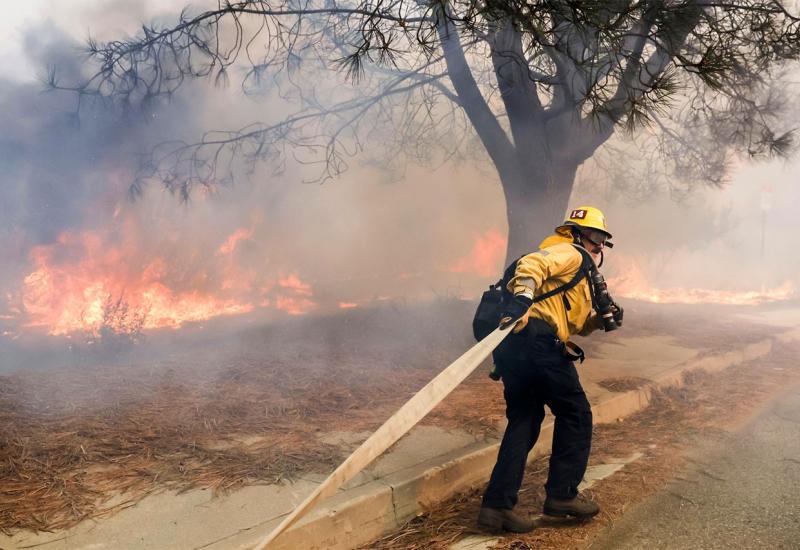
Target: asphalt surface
(741, 490)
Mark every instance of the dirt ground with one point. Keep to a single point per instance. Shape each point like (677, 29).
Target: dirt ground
(83, 441)
(707, 405)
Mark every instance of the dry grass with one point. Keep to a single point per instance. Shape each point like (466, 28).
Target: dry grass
(77, 443)
(623, 383)
(63, 463)
(83, 442)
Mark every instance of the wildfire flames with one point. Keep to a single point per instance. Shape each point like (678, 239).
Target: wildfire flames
(486, 254)
(299, 299)
(88, 283)
(82, 283)
(633, 284)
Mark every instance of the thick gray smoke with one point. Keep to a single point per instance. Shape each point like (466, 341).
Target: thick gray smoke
(272, 243)
(267, 242)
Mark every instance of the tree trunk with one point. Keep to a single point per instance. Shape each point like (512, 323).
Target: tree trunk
(537, 169)
(536, 200)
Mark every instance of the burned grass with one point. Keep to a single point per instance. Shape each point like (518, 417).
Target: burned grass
(713, 329)
(62, 464)
(78, 443)
(623, 383)
(708, 406)
(83, 442)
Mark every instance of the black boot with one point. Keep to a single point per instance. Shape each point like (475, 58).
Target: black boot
(499, 519)
(578, 507)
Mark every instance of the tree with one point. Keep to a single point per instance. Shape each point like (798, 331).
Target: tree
(543, 84)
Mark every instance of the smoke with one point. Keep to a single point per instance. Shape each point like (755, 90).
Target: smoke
(76, 243)
(736, 238)
(271, 243)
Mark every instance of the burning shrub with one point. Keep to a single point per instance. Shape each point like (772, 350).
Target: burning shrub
(120, 326)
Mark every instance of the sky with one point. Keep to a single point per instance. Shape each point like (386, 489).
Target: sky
(274, 242)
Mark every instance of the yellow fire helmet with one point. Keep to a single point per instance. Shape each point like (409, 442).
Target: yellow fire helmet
(590, 218)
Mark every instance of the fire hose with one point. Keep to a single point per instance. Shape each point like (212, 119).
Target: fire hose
(393, 429)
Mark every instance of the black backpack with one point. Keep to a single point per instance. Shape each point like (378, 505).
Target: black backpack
(493, 301)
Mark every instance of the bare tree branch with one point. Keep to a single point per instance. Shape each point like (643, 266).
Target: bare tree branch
(559, 77)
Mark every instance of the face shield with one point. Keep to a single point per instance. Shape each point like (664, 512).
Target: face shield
(596, 237)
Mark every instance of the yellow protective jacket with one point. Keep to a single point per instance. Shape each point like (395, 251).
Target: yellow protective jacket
(555, 264)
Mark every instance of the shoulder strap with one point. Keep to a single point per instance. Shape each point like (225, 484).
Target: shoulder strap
(583, 271)
(508, 274)
(587, 263)
(563, 288)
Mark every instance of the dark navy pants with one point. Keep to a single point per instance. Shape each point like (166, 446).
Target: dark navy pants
(536, 373)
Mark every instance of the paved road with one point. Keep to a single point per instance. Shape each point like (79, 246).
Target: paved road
(741, 491)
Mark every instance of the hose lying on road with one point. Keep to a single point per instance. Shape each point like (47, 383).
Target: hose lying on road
(393, 429)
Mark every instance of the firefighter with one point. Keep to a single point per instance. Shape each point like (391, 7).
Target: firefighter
(538, 369)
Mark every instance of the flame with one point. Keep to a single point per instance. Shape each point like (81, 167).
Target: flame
(120, 279)
(94, 291)
(241, 234)
(236, 278)
(165, 308)
(347, 305)
(295, 298)
(293, 283)
(633, 284)
(485, 258)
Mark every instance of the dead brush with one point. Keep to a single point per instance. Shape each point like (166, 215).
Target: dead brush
(84, 443)
(81, 443)
(62, 461)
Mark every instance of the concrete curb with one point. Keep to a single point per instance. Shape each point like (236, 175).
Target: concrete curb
(357, 516)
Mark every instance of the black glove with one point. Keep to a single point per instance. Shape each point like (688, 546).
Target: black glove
(616, 311)
(514, 310)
